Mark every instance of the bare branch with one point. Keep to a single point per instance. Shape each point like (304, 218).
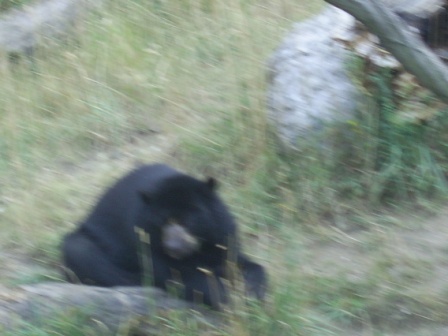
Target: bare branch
(395, 37)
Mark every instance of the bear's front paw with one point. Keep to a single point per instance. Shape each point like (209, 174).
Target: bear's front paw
(255, 280)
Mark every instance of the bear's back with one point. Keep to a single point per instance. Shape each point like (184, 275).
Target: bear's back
(115, 206)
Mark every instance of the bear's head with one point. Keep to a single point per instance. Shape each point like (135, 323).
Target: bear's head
(184, 215)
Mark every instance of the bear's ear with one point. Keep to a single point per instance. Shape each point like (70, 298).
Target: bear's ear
(212, 183)
(145, 196)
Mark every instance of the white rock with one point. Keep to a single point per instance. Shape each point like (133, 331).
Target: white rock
(308, 83)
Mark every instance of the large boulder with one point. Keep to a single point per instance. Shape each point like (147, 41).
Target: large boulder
(309, 88)
(23, 29)
(103, 310)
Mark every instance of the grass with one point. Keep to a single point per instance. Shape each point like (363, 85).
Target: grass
(74, 323)
(184, 82)
(10, 4)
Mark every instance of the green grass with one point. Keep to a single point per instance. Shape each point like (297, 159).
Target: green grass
(72, 323)
(184, 82)
(10, 4)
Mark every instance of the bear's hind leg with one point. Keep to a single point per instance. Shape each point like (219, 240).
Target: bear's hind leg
(88, 264)
(255, 277)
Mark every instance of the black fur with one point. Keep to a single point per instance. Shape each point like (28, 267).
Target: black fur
(106, 249)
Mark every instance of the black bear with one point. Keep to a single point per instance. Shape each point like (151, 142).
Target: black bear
(192, 238)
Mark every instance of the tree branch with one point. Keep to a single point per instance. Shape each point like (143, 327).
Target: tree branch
(395, 37)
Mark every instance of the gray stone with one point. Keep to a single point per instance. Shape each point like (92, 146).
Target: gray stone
(106, 310)
(21, 30)
(309, 87)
